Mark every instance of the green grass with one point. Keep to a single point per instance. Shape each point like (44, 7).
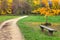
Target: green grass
(3, 18)
(34, 33)
(42, 19)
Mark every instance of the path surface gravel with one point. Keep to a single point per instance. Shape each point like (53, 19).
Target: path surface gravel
(10, 31)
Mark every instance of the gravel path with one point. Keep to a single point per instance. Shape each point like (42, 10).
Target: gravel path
(10, 31)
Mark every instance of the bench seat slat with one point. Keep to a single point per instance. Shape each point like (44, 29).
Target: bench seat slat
(47, 28)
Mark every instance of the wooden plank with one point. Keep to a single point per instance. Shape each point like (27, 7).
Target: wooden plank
(47, 28)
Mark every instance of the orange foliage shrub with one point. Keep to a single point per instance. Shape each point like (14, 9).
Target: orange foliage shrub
(47, 11)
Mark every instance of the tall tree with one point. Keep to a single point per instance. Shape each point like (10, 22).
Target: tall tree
(49, 9)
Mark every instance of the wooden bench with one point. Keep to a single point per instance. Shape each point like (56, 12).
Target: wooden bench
(49, 29)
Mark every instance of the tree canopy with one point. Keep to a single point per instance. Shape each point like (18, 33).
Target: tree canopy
(47, 7)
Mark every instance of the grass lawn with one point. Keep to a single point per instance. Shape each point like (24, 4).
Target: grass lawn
(30, 28)
(3, 18)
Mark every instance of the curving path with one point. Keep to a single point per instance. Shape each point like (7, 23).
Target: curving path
(10, 31)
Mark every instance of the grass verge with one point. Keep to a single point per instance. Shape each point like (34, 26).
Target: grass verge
(3, 18)
(32, 32)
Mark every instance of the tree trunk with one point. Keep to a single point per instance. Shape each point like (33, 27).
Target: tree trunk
(46, 19)
(47, 23)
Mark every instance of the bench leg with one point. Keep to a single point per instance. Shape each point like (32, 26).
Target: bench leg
(42, 29)
(50, 32)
